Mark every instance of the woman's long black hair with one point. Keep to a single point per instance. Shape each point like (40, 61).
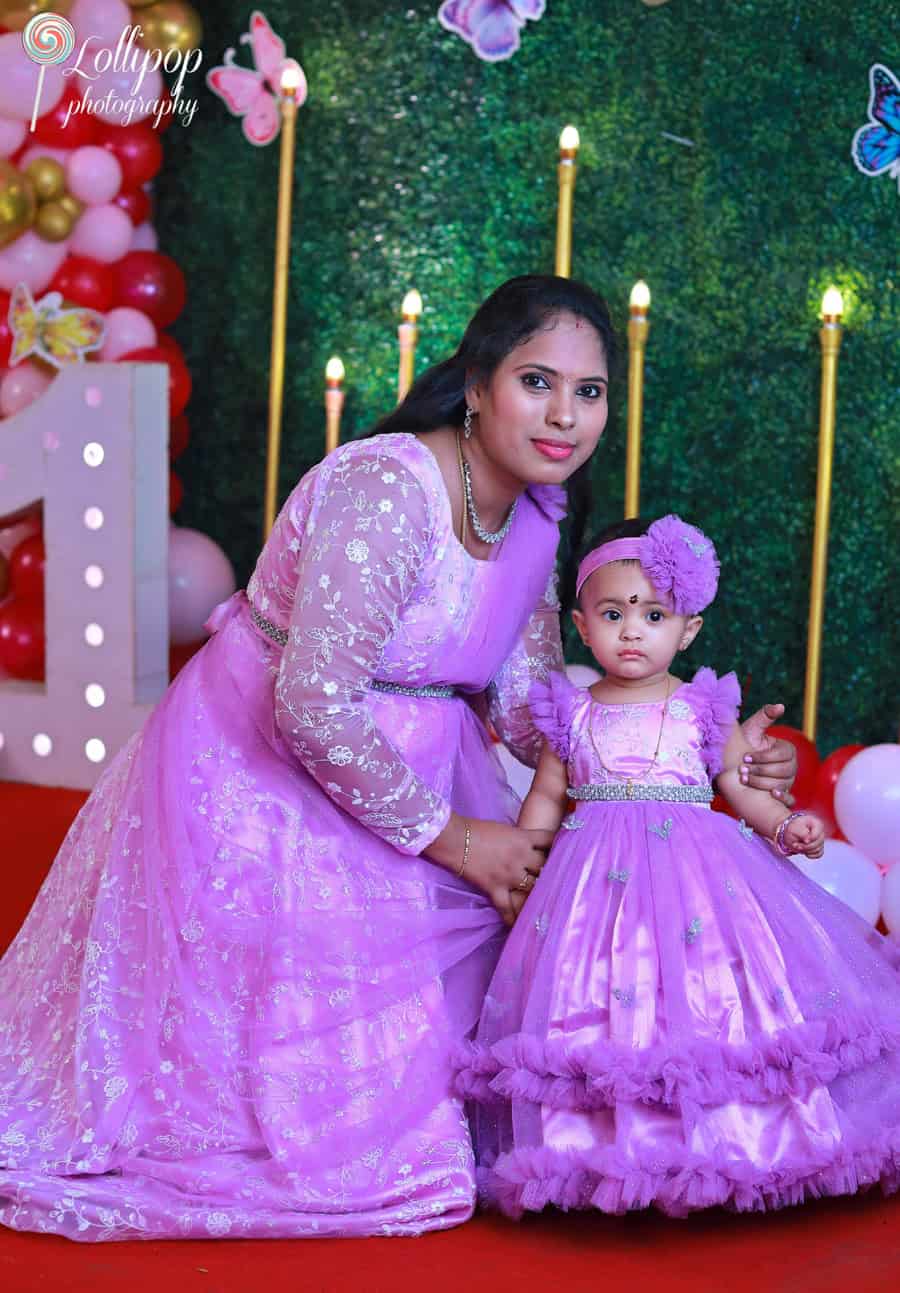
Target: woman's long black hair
(517, 310)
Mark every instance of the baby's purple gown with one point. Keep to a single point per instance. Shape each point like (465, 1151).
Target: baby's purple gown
(679, 1018)
(231, 1007)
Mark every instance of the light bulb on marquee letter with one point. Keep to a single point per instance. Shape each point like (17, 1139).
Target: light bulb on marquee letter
(638, 328)
(408, 336)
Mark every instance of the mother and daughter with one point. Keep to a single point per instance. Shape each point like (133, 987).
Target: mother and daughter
(267, 966)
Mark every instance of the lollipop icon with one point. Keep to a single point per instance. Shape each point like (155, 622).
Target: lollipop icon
(48, 39)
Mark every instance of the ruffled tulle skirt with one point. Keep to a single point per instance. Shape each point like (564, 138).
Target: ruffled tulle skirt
(681, 1019)
(230, 1009)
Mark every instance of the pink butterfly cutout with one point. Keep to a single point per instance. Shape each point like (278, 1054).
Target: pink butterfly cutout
(254, 93)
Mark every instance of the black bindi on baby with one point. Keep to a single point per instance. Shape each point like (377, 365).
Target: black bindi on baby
(632, 601)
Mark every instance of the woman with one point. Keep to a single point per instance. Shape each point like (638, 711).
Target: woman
(230, 1008)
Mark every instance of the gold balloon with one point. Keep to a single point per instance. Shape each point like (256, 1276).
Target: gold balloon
(170, 25)
(72, 205)
(53, 222)
(14, 14)
(17, 203)
(48, 178)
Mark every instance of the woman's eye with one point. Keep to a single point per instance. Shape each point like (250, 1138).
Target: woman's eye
(592, 391)
(536, 381)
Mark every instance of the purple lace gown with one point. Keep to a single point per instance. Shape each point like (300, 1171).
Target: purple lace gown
(679, 1018)
(230, 1009)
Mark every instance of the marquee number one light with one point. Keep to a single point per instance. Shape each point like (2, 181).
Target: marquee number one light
(93, 450)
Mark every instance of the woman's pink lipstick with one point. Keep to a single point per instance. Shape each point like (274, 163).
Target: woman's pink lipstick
(554, 449)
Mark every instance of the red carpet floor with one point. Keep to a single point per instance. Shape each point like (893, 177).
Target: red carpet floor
(837, 1246)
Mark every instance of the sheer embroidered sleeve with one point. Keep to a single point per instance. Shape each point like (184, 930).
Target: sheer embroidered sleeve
(367, 538)
(535, 657)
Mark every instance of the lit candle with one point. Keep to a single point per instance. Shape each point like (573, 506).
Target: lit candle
(291, 78)
(830, 341)
(334, 402)
(638, 327)
(408, 335)
(568, 152)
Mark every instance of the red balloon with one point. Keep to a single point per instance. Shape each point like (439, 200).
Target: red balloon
(6, 336)
(56, 132)
(176, 493)
(808, 763)
(721, 805)
(85, 282)
(22, 639)
(179, 376)
(151, 282)
(138, 150)
(135, 203)
(26, 569)
(179, 434)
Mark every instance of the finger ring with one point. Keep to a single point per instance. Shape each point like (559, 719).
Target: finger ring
(526, 884)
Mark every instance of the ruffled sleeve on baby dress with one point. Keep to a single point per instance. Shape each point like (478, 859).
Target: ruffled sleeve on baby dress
(366, 542)
(552, 705)
(716, 702)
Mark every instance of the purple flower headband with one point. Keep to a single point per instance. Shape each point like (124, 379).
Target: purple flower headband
(677, 558)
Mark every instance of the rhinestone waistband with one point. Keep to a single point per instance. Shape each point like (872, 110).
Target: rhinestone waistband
(634, 790)
(266, 626)
(432, 691)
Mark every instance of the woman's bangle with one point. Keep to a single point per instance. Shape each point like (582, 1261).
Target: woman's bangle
(779, 834)
(465, 856)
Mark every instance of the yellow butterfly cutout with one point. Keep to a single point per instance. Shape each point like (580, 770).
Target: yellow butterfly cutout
(60, 336)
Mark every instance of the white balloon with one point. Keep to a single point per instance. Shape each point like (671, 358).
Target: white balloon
(582, 675)
(848, 875)
(518, 774)
(890, 900)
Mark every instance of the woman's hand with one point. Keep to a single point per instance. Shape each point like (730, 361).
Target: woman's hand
(773, 764)
(504, 861)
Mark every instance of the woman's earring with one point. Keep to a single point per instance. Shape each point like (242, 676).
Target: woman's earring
(467, 423)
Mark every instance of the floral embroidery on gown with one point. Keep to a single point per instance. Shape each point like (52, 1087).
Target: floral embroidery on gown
(679, 1017)
(230, 1009)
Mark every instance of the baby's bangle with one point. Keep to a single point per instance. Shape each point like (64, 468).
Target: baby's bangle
(465, 856)
(779, 834)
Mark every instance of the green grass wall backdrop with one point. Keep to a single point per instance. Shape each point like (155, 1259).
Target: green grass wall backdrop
(419, 165)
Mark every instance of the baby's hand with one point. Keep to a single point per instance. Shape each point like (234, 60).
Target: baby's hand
(805, 834)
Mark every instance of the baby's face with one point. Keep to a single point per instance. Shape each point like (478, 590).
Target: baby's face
(632, 632)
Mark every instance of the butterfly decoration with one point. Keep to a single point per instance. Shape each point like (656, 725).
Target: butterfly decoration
(45, 328)
(876, 145)
(491, 27)
(254, 94)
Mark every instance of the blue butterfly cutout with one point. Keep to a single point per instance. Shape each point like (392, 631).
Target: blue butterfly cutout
(876, 145)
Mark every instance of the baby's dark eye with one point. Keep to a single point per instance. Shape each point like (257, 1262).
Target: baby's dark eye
(612, 616)
(535, 381)
(655, 617)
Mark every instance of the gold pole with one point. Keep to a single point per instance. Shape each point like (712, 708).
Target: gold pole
(289, 83)
(566, 171)
(638, 327)
(408, 336)
(830, 341)
(334, 403)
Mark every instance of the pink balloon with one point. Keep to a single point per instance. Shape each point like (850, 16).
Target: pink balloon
(847, 874)
(93, 175)
(31, 260)
(103, 233)
(12, 133)
(144, 238)
(60, 155)
(21, 386)
(200, 576)
(125, 107)
(126, 329)
(867, 802)
(19, 78)
(105, 20)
